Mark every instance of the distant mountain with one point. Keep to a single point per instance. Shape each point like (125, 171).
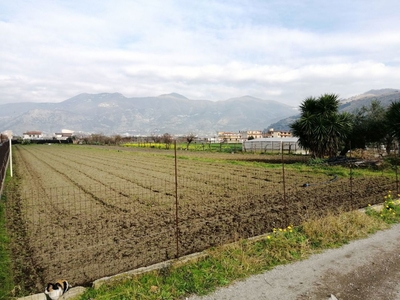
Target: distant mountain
(385, 96)
(116, 114)
(352, 104)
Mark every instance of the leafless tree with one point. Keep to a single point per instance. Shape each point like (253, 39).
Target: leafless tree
(189, 138)
(117, 139)
(157, 138)
(167, 139)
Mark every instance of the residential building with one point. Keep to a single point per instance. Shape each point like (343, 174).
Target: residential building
(32, 135)
(63, 135)
(271, 133)
(229, 137)
(245, 134)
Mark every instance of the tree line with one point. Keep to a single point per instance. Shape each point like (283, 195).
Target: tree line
(324, 131)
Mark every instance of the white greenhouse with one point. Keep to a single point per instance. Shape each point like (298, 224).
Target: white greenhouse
(287, 145)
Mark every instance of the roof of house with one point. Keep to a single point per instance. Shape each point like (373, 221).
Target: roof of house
(286, 139)
(33, 132)
(64, 134)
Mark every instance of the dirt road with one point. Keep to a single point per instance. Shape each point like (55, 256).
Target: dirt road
(367, 269)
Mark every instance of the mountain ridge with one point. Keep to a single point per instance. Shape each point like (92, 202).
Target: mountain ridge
(352, 104)
(113, 113)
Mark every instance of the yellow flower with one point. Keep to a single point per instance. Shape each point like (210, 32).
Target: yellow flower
(280, 229)
(369, 204)
(268, 237)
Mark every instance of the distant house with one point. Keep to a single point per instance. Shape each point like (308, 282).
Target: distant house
(32, 135)
(246, 134)
(229, 137)
(63, 135)
(271, 133)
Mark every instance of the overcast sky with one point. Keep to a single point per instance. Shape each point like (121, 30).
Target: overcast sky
(214, 50)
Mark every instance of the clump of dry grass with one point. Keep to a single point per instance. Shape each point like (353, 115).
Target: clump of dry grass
(336, 230)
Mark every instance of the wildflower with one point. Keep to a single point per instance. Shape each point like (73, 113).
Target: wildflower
(268, 237)
(280, 229)
(369, 204)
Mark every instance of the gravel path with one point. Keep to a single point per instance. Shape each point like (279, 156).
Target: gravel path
(367, 269)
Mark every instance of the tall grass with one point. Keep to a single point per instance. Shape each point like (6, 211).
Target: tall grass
(6, 277)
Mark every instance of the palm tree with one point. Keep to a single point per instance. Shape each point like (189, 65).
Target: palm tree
(321, 128)
(393, 118)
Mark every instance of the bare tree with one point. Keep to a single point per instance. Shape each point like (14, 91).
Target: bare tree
(117, 139)
(157, 138)
(97, 139)
(189, 138)
(167, 139)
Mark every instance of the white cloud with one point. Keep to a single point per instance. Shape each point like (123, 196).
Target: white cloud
(279, 50)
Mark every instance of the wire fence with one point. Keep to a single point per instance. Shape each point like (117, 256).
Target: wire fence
(84, 232)
(4, 159)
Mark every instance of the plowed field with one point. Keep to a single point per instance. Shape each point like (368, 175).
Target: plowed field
(83, 212)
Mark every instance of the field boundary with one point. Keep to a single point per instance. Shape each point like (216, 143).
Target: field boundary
(84, 213)
(119, 278)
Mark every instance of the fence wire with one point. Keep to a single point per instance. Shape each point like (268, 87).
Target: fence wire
(83, 232)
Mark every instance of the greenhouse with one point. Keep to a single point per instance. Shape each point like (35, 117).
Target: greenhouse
(287, 145)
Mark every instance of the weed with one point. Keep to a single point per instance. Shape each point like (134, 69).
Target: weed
(389, 212)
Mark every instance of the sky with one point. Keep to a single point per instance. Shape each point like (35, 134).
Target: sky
(205, 50)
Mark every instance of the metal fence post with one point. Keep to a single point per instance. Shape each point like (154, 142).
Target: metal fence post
(284, 190)
(176, 204)
(397, 173)
(351, 180)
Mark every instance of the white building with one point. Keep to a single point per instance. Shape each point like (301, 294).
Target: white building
(287, 145)
(32, 135)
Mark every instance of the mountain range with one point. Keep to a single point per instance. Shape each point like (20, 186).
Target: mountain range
(113, 113)
(352, 104)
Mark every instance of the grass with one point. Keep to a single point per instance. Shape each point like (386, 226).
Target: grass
(194, 146)
(226, 264)
(6, 277)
